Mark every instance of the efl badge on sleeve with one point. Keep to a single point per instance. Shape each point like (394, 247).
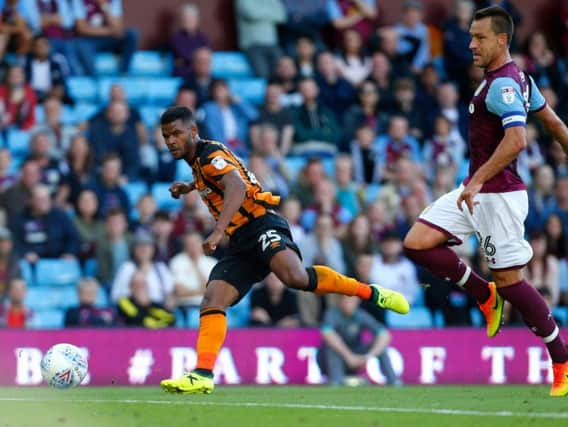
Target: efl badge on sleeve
(508, 94)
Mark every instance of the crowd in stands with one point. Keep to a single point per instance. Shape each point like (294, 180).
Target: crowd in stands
(358, 126)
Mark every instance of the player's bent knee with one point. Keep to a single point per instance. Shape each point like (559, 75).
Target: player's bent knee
(295, 278)
(219, 294)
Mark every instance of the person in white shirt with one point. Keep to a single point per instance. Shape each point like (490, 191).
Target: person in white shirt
(190, 271)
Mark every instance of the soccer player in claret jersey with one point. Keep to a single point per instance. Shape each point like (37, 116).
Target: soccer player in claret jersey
(259, 242)
(492, 202)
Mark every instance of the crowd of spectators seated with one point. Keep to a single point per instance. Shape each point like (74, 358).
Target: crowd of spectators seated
(358, 127)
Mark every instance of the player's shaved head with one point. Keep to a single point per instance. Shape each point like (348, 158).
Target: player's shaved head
(501, 21)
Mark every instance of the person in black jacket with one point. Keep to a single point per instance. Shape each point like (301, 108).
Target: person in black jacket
(43, 231)
(86, 314)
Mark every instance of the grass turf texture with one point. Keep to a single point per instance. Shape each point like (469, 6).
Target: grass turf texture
(284, 406)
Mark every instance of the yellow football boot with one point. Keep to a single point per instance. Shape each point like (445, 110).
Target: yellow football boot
(190, 383)
(389, 300)
(492, 309)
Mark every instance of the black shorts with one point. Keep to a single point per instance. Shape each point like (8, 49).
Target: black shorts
(250, 250)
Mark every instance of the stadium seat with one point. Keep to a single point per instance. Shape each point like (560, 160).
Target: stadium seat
(192, 317)
(46, 298)
(238, 316)
(134, 190)
(371, 192)
(39, 113)
(162, 91)
(27, 274)
(561, 314)
(251, 90)
(151, 63)
(295, 166)
(439, 321)
(90, 268)
(329, 166)
(230, 65)
(476, 317)
(19, 142)
(134, 87)
(183, 172)
(417, 317)
(57, 272)
(106, 64)
(161, 193)
(150, 115)
(82, 89)
(83, 111)
(102, 298)
(47, 319)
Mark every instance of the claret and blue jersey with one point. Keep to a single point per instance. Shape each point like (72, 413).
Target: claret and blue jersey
(502, 100)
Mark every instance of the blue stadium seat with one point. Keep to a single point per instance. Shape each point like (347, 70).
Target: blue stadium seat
(134, 87)
(19, 142)
(329, 166)
(439, 321)
(183, 172)
(82, 89)
(229, 65)
(476, 317)
(238, 316)
(162, 91)
(46, 298)
(102, 299)
(90, 268)
(83, 111)
(295, 166)
(57, 272)
(418, 317)
(251, 89)
(150, 115)
(27, 273)
(161, 193)
(134, 190)
(151, 63)
(371, 192)
(106, 64)
(47, 319)
(39, 113)
(192, 315)
(561, 313)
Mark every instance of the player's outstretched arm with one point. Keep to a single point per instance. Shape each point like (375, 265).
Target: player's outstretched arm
(179, 188)
(233, 196)
(554, 125)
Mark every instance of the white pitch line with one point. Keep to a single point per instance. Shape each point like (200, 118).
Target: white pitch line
(304, 406)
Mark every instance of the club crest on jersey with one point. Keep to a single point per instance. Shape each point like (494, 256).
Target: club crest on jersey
(480, 88)
(219, 163)
(508, 94)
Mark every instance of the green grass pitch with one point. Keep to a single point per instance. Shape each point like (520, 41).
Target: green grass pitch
(422, 406)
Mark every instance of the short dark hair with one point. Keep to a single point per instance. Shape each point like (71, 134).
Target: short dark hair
(176, 113)
(501, 21)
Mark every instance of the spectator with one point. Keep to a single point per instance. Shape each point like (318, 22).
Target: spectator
(187, 96)
(286, 74)
(427, 95)
(305, 18)
(457, 55)
(273, 304)
(335, 92)
(17, 100)
(558, 159)
(393, 270)
(193, 216)
(542, 64)
(108, 188)
(157, 276)
(114, 133)
(358, 241)
(54, 20)
(190, 271)
(344, 350)
(445, 150)
(100, 27)
(380, 218)
(146, 209)
(352, 63)
(86, 314)
(561, 208)
(7, 176)
(90, 228)
(258, 36)
(413, 36)
(357, 15)
(14, 199)
(272, 112)
(322, 247)
(187, 39)
(59, 131)
(366, 167)
(269, 175)
(381, 75)
(291, 209)
(9, 265)
(200, 80)
(165, 245)
(386, 42)
(310, 177)
(53, 170)
(113, 248)
(45, 71)
(44, 231)
(14, 313)
(137, 308)
(531, 157)
(264, 142)
(226, 119)
(347, 191)
(456, 112)
(367, 111)
(542, 269)
(316, 130)
(396, 145)
(305, 56)
(556, 237)
(405, 105)
(14, 30)
(81, 174)
(363, 267)
(443, 182)
(165, 170)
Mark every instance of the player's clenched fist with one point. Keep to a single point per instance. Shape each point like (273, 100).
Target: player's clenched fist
(179, 188)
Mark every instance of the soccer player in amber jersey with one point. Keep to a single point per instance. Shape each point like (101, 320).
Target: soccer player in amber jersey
(492, 202)
(259, 242)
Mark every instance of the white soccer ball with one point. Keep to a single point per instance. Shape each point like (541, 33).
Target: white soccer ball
(64, 366)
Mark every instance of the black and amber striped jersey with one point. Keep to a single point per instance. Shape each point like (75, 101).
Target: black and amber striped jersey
(213, 160)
